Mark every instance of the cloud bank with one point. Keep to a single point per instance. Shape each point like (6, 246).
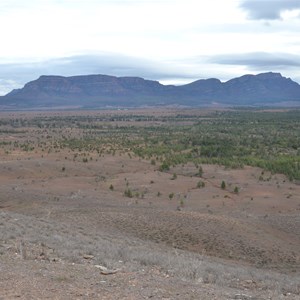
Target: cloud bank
(15, 75)
(268, 9)
(259, 60)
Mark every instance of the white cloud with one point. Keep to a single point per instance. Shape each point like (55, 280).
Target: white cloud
(46, 28)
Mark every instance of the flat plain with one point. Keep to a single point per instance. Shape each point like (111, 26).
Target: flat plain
(150, 204)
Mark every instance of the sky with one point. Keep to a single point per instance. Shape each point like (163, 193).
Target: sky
(172, 41)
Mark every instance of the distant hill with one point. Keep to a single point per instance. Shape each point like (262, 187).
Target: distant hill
(99, 91)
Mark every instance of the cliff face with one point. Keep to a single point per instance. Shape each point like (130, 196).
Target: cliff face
(96, 91)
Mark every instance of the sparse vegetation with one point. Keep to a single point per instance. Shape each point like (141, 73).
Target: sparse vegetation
(68, 179)
(230, 138)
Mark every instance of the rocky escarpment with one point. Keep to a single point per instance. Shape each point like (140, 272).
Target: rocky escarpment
(98, 91)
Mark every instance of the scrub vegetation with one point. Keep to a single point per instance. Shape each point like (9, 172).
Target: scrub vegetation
(266, 139)
(171, 203)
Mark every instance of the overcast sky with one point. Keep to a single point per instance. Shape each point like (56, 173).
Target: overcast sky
(172, 41)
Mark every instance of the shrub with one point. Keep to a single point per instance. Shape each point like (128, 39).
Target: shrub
(200, 184)
(174, 176)
(164, 167)
(128, 193)
(200, 172)
(223, 185)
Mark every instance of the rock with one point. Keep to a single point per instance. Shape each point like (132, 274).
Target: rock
(102, 268)
(105, 271)
(110, 272)
(87, 256)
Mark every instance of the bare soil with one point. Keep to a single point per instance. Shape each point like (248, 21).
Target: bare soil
(63, 221)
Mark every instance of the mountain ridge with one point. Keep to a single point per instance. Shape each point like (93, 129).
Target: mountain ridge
(100, 91)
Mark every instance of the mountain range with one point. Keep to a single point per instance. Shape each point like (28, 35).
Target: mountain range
(102, 91)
